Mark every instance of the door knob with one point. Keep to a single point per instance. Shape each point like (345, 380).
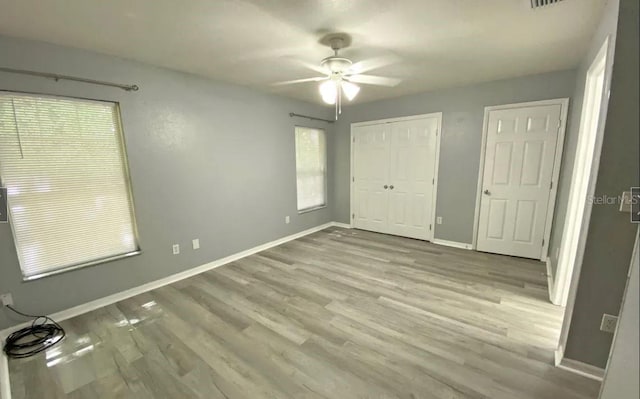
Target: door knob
(385, 187)
(487, 192)
(391, 186)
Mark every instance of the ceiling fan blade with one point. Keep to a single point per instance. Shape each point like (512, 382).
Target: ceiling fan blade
(373, 80)
(291, 82)
(313, 67)
(373, 63)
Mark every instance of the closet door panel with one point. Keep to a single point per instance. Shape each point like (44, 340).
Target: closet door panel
(371, 174)
(411, 172)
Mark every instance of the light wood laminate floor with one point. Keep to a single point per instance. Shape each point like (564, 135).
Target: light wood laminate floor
(338, 314)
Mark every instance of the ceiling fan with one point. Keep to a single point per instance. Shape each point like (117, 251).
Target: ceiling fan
(341, 75)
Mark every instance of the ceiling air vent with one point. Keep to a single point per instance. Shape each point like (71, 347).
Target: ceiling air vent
(543, 3)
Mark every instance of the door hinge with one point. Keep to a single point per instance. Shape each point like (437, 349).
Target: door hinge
(353, 179)
(551, 185)
(429, 227)
(354, 139)
(353, 216)
(433, 181)
(543, 242)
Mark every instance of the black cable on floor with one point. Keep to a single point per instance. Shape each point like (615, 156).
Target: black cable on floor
(43, 333)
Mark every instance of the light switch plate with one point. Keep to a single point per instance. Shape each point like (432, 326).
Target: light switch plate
(176, 249)
(196, 243)
(439, 220)
(287, 219)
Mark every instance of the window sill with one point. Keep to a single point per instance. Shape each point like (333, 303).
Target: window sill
(80, 266)
(315, 208)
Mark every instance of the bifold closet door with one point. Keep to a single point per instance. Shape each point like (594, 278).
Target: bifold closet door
(370, 177)
(393, 177)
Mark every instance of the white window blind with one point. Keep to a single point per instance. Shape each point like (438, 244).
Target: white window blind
(62, 161)
(311, 168)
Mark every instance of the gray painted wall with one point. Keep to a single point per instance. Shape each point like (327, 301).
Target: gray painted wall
(621, 380)
(208, 160)
(463, 113)
(610, 236)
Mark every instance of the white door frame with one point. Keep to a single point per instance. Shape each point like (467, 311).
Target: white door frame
(568, 276)
(564, 105)
(438, 115)
(567, 280)
(565, 268)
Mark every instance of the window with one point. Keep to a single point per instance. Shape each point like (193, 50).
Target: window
(311, 168)
(62, 161)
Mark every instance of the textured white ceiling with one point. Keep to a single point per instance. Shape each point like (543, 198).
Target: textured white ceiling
(439, 43)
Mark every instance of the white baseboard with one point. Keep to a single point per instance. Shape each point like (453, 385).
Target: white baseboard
(558, 355)
(583, 369)
(5, 387)
(550, 279)
(454, 244)
(575, 366)
(343, 225)
(119, 296)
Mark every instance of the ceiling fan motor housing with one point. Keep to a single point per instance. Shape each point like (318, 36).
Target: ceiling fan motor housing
(336, 64)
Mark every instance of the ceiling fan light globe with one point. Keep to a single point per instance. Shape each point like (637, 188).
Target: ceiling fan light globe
(329, 91)
(350, 90)
(329, 100)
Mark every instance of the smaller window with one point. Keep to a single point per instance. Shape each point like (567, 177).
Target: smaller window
(311, 168)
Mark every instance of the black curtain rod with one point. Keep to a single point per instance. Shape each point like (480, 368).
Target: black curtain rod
(313, 118)
(57, 77)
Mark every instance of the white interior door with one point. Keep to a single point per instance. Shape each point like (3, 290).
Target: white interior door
(371, 177)
(519, 159)
(412, 161)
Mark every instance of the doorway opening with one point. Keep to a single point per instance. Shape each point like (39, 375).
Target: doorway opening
(585, 171)
(585, 168)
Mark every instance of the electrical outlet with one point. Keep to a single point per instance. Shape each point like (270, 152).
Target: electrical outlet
(6, 299)
(287, 219)
(196, 243)
(176, 249)
(439, 220)
(608, 323)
